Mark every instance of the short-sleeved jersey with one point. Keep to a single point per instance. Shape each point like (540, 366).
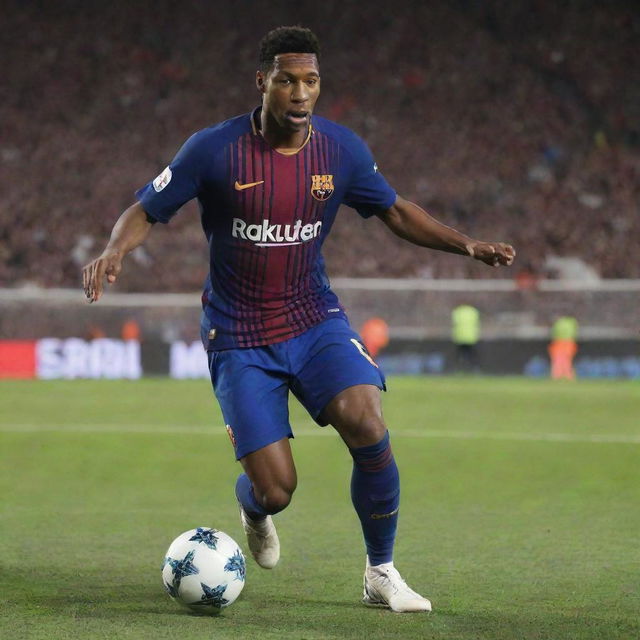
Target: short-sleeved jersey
(265, 216)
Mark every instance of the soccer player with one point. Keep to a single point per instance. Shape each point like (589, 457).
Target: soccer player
(269, 184)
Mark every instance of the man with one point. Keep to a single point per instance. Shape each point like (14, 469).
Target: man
(465, 332)
(563, 348)
(269, 184)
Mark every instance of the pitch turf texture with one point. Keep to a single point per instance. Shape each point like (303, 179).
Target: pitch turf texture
(520, 513)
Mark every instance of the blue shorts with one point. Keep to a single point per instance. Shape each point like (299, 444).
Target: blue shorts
(252, 384)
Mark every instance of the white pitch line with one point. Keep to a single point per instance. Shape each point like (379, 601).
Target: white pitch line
(608, 438)
(218, 430)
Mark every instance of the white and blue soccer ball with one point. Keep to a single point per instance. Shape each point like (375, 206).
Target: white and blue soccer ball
(204, 569)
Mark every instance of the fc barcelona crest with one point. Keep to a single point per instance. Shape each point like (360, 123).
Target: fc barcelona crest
(322, 187)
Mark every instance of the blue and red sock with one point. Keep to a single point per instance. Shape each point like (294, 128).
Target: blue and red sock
(375, 493)
(244, 493)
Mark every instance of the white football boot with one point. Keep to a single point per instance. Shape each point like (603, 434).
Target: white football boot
(384, 587)
(262, 538)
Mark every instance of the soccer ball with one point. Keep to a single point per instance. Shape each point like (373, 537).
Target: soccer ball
(204, 569)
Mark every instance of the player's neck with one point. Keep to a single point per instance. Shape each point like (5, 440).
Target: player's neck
(280, 139)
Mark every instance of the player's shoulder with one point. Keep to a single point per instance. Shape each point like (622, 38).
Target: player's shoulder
(222, 133)
(343, 135)
(349, 141)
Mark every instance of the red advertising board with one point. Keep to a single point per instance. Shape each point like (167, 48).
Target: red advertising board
(17, 359)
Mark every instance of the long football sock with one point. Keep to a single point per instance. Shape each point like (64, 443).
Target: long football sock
(375, 493)
(244, 493)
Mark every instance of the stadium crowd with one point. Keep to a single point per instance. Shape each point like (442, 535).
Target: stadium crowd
(512, 121)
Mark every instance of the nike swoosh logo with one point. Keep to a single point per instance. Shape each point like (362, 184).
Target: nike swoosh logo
(242, 187)
(379, 516)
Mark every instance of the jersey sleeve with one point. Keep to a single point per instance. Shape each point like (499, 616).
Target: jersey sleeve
(368, 191)
(178, 183)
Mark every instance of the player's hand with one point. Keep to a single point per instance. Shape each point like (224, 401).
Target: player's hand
(108, 265)
(492, 253)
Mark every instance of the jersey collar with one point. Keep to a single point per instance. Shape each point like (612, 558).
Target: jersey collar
(255, 128)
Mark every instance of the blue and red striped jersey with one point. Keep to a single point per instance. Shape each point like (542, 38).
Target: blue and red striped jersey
(265, 216)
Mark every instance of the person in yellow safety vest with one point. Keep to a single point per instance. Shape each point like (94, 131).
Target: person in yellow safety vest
(563, 348)
(465, 332)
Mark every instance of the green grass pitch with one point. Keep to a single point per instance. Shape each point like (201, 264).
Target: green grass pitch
(520, 513)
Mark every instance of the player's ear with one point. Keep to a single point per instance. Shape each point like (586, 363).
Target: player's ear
(260, 81)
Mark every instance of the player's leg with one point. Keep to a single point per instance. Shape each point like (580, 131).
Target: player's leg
(263, 489)
(375, 492)
(253, 395)
(340, 384)
(269, 480)
(356, 415)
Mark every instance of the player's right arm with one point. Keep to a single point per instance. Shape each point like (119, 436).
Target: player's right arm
(158, 201)
(130, 231)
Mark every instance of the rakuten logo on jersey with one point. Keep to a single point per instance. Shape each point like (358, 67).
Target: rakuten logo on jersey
(275, 235)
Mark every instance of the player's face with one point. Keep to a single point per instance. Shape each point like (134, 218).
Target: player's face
(290, 90)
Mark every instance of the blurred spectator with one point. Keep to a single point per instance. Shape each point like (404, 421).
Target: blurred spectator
(563, 347)
(95, 332)
(465, 332)
(508, 120)
(375, 335)
(131, 330)
(527, 278)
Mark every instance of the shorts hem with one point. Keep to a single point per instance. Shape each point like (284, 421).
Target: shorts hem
(241, 452)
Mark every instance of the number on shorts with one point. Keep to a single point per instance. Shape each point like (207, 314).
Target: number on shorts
(363, 351)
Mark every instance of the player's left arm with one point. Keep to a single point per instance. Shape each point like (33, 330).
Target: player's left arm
(410, 222)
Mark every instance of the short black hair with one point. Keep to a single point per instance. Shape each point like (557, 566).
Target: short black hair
(287, 40)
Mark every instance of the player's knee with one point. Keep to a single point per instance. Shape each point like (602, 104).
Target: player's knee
(364, 431)
(357, 416)
(276, 499)
(370, 429)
